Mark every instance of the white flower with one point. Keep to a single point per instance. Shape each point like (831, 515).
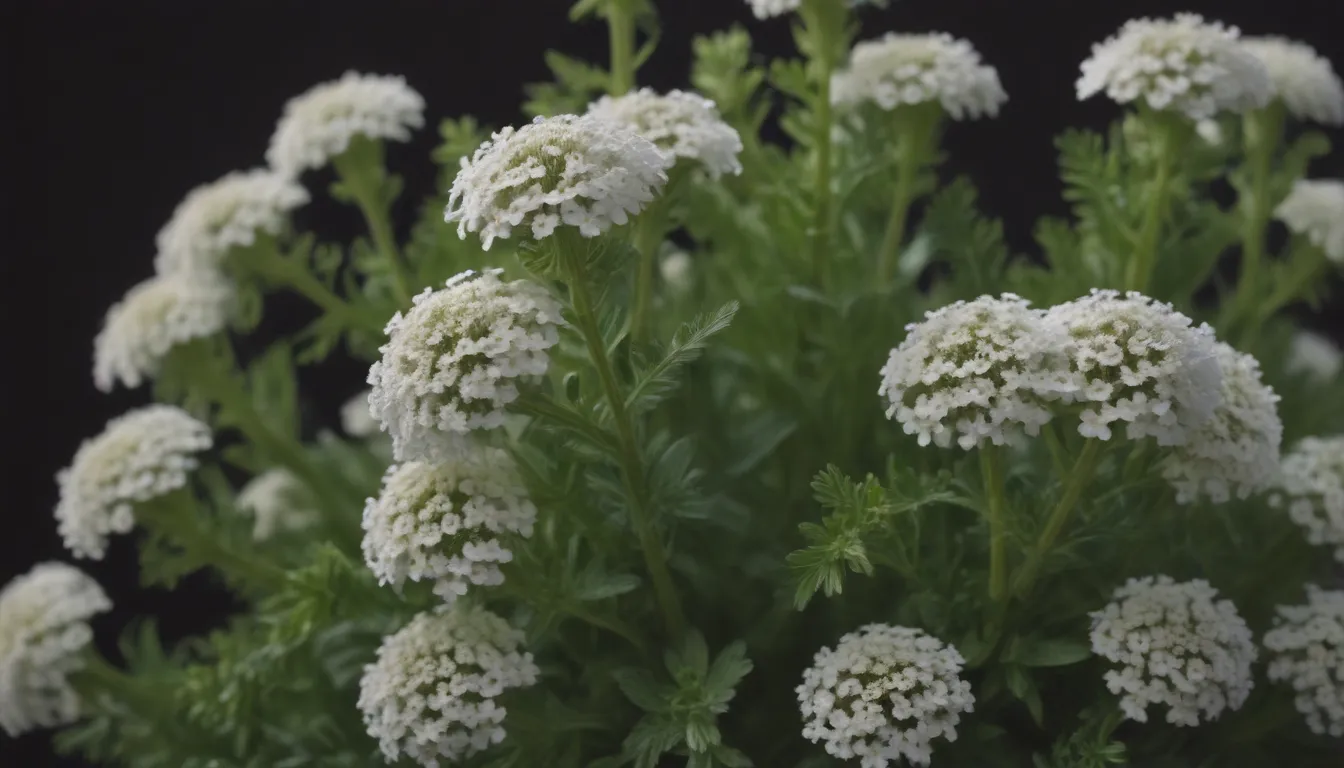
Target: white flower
(431, 693)
(1311, 485)
(1308, 646)
(356, 420)
(675, 268)
(456, 359)
(1315, 356)
(765, 9)
(226, 214)
(320, 123)
(1302, 78)
(140, 455)
(1210, 131)
(447, 523)
(1141, 362)
(1315, 210)
(883, 695)
(683, 125)
(1184, 64)
(154, 317)
(975, 370)
(44, 629)
(277, 501)
(899, 70)
(1237, 450)
(577, 171)
(1176, 645)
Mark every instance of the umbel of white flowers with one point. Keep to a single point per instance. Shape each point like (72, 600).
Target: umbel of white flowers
(1303, 80)
(1175, 645)
(444, 522)
(457, 358)
(431, 693)
(1307, 643)
(883, 695)
(905, 70)
(44, 630)
(140, 456)
(1311, 486)
(278, 502)
(685, 126)
(1314, 209)
(1315, 356)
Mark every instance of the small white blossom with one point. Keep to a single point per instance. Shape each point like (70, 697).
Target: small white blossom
(1174, 644)
(1314, 356)
(277, 501)
(903, 70)
(978, 370)
(1303, 79)
(579, 172)
(676, 267)
(1210, 131)
(1311, 486)
(455, 360)
(1184, 64)
(683, 125)
(883, 694)
(1236, 452)
(430, 695)
(765, 9)
(44, 629)
(320, 123)
(215, 218)
(356, 420)
(1315, 210)
(141, 455)
(447, 523)
(1141, 362)
(1307, 643)
(154, 317)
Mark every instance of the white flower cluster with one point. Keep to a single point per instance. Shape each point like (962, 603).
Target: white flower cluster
(899, 70)
(1176, 645)
(215, 218)
(44, 628)
(1311, 485)
(140, 455)
(582, 172)
(431, 693)
(277, 501)
(1315, 210)
(976, 370)
(320, 123)
(153, 318)
(456, 359)
(1141, 362)
(883, 694)
(683, 125)
(765, 9)
(1308, 646)
(356, 420)
(1314, 355)
(443, 522)
(1184, 64)
(1237, 450)
(1302, 78)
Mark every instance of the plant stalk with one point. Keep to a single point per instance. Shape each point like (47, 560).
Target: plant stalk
(823, 66)
(996, 503)
(1145, 255)
(1084, 467)
(361, 169)
(267, 262)
(621, 32)
(1262, 130)
(174, 517)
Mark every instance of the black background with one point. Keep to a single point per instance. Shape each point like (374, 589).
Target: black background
(112, 111)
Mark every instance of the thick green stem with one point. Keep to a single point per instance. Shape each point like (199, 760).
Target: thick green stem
(266, 261)
(1262, 130)
(1145, 254)
(633, 473)
(819, 27)
(648, 236)
(621, 29)
(175, 517)
(996, 504)
(906, 172)
(1083, 469)
(360, 169)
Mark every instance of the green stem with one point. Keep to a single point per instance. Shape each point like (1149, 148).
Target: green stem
(1083, 469)
(823, 66)
(613, 625)
(648, 236)
(175, 517)
(265, 260)
(621, 32)
(632, 468)
(1145, 254)
(361, 170)
(915, 127)
(900, 209)
(996, 503)
(98, 681)
(1057, 452)
(1262, 129)
(1304, 270)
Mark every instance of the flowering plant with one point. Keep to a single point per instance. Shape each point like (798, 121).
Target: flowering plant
(680, 447)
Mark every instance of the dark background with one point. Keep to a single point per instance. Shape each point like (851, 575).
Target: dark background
(112, 111)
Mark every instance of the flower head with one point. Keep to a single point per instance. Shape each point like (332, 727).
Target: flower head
(1307, 644)
(44, 628)
(1315, 356)
(1303, 79)
(154, 317)
(977, 370)
(683, 125)
(883, 694)
(320, 123)
(582, 172)
(1237, 450)
(215, 218)
(1315, 210)
(1177, 645)
(1311, 486)
(1184, 65)
(141, 455)
(278, 502)
(765, 9)
(444, 522)
(902, 70)
(455, 360)
(431, 693)
(356, 420)
(1141, 362)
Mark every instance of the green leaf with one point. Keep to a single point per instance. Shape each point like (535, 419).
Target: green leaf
(692, 656)
(1050, 653)
(701, 735)
(640, 687)
(1023, 687)
(728, 669)
(651, 738)
(601, 586)
(656, 382)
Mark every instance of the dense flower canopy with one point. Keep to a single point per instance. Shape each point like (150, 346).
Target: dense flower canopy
(684, 125)
(1307, 652)
(1315, 210)
(905, 70)
(1303, 79)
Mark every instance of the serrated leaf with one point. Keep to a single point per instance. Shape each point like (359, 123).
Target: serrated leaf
(728, 669)
(640, 687)
(656, 382)
(600, 587)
